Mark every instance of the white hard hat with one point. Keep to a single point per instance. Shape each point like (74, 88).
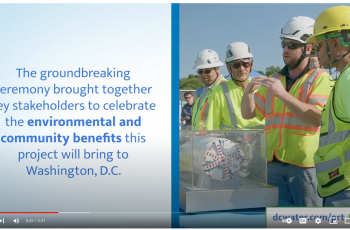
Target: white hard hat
(238, 50)
(206, 59)
(298, 28)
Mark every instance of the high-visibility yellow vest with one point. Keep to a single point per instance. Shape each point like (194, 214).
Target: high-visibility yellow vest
(200, 112)
(288, 138)
(225, 109)
(332, 159)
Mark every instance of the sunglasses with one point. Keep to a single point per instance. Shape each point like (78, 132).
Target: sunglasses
(291, 45)
(205, 71)
(317, 45)
(238, 65)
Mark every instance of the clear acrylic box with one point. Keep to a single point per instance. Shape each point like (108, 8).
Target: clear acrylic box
(218, 162)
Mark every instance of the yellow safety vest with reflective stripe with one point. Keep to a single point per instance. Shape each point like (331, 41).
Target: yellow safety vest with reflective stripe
(288, 138)
(200, 112)
(225, 109)
(332, 159)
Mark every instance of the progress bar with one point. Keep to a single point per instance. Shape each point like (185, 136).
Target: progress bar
(29, 212)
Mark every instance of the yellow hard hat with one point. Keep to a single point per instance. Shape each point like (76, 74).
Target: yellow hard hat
(336, 18)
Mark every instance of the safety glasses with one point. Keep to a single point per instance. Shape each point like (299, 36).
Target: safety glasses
(237, 65)
(204, 71)
(291, 45)
(317, 45)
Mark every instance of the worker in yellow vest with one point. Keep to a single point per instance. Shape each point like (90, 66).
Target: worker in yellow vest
(332, 41)
(291, 102)
(225, 109)
(208, 65)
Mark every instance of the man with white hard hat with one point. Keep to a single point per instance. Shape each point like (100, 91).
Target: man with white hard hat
(291, 102)
(225, 110)
(208, 65)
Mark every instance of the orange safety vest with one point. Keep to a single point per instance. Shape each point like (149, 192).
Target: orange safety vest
(289, 139)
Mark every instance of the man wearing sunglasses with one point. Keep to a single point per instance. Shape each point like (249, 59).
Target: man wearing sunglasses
(225, 111)
(291, 102)
(208, 65)
(332, 40)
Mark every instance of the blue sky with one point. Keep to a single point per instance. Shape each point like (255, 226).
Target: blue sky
(214, 26)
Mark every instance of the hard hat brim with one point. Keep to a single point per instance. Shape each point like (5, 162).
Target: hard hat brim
(291, 38)
(311, 39)
(217, 64)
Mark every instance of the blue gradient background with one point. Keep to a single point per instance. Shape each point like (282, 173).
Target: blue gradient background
(135, 37)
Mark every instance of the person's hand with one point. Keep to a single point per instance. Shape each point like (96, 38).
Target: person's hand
(187, 117)
(255, 83)
(274, 86)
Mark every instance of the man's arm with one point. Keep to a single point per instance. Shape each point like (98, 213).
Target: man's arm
(309, 114)
(248, 105)
(248, 102)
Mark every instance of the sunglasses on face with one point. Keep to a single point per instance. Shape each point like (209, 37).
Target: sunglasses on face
(291, 45)
(204, 71)
(317, 45)
(237, 65)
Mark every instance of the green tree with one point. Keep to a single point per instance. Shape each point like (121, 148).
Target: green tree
(193, 76)
(192, 82)
(271, 70)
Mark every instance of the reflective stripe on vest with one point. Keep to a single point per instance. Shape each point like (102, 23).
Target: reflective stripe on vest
(204, 114)
(269, 96)
(252, 127)
(256, 127)
(271, 122)
(328, 165)
(221, 81)
(276, 75)
(292, 121)
(331, 137)
(261, 102)
(331, 164)
(269, 104)
(225, 126)
(229, 105)
(321, 99)
(309, 81)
